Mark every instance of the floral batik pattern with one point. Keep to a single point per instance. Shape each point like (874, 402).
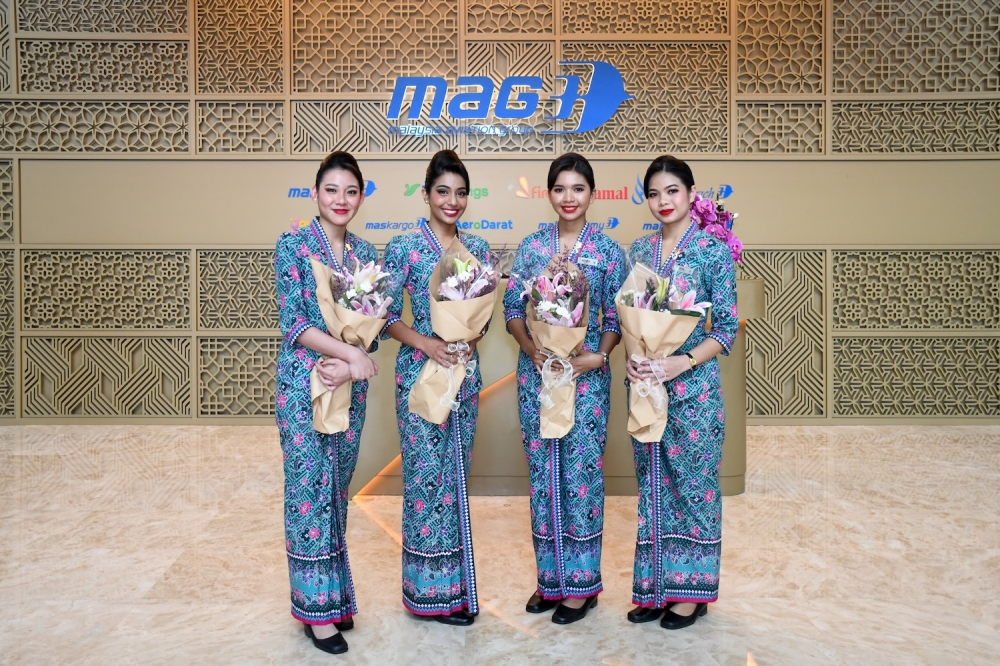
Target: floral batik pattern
(566, 475)
(679, 543)
(439, 575)
(318, 467)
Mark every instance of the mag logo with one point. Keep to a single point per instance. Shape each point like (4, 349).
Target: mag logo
(518, 98)
(610, 224)
(306, 192)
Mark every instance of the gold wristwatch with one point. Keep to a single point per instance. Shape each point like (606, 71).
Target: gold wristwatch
(692, 359)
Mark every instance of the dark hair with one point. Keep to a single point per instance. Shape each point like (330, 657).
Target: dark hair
(444, 161)
(340, 160)
(571, 162)
(668, 164)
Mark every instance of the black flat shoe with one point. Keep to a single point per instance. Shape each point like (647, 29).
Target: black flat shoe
(638, 615)
(334, 644)
(566, 615)
(461, 618)
(672, 620)
(538, 604)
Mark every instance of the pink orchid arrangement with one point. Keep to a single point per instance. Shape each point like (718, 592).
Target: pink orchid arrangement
(365, 291)
(713, 218)
(559, 300)
(463, 280)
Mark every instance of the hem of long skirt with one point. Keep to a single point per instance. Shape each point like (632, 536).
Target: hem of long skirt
(674, 600)
(431, 613)
(337, 618)
(571, 595)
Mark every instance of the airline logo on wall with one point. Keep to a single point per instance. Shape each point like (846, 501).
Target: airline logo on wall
(517, 99)
(306, 192)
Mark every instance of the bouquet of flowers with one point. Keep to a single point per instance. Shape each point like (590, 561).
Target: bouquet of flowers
(657, 315)
(355, 307)
(661, 294)
(463, 296)
(713, 218)
(557, 310)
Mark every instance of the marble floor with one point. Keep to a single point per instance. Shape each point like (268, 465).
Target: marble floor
(852, 545)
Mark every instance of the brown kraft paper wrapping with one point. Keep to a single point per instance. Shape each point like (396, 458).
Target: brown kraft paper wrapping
(452, 321)
(556, 421)
(331, 409)
(652, 335)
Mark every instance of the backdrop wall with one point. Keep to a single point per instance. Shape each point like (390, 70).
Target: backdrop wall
(150, 154)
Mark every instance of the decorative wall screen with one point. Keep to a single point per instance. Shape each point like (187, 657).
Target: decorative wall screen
(189, 332)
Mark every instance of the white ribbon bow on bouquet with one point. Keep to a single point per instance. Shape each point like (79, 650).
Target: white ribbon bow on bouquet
(647, 388)
(460, 348)
(552, 378)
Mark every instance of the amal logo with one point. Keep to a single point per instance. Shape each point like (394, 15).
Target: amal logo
(306, 192)
(475, 192)
(526, 191)
(517, 99)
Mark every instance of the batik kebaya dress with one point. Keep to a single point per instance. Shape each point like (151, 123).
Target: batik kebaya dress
(318, 467)
(566, 475)
(679, 543)
(439, 575)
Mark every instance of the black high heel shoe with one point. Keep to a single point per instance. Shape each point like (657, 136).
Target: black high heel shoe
(672, 620)
(539, 604)
(333, 645)
(566, 615)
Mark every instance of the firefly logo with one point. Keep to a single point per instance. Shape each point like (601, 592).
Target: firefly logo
(526, 191)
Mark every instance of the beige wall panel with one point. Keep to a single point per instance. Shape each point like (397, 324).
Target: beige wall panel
(6, 201)
(645, 17)
(916, 127)
(240, 46)
(237, 376)
(241, 127)
(84, 66)
(779, 46)
(102, 16)
(7, 333)
(504, 16)
(119, 203)
(5, 47)
(236, 289)
(780, 128)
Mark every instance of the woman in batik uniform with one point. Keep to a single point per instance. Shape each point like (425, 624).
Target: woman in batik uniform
(439, 577)
(567, 479)
(318, 467)
(679, 540)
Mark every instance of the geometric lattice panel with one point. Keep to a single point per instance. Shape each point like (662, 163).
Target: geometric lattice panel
(363, 46)
(128, 289)
(6, 201)
(530, 17)
(916, 46)
(94, 127)
(241, 127)
(361, 127)
(6, 332)
(681, 100)
(916, 127)
(499, 60)
(240, 46)
(49, 66)
(5, 52)
(916, 376)
(779, 46)
(236, 376)
(236, 289)
(785, 349)
(102, 15)
(910, 290)
(779, 127)
(645, 17)
(107, 376)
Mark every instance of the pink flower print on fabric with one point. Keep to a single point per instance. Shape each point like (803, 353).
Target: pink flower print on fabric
(673, 451)
(582, 388)
(582, 490)
(282, 400)
(414, 257)
(424, 530)
(447, 499)
(313, 532)
(305, 507)
(680, 388)
(294, 272)
(709, 495)
(693, 435)
(419, 505)
(349, 435)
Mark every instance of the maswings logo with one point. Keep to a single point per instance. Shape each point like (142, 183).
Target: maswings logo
(517, 99)
(475, 192)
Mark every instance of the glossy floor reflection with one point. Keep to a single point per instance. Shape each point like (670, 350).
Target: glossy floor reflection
(852, 545)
